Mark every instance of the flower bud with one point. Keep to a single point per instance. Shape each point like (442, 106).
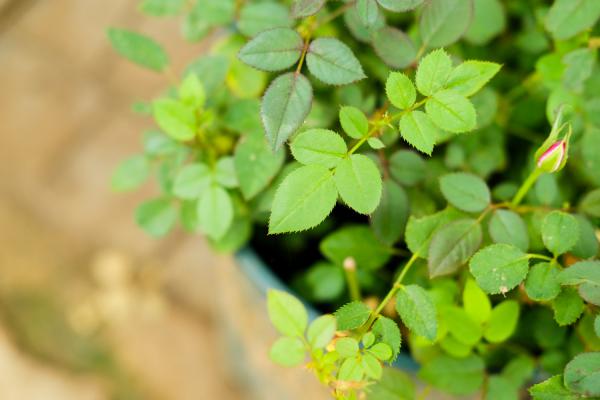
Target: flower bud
(553, 159)
(349, 264)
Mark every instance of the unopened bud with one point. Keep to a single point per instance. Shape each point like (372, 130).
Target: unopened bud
(349, 264)
(554, 158)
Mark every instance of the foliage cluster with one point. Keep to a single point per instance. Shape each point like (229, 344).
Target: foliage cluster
(481, 244)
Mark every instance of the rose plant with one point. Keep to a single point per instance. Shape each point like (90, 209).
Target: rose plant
(419, 197)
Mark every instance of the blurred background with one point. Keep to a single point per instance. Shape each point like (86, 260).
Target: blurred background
(91, 307)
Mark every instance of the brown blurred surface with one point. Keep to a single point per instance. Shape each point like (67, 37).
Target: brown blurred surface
(90, 307)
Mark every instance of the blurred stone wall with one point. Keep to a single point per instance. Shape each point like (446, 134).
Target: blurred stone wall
(90, 307)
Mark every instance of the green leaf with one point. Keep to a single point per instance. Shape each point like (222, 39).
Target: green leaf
(394, 385)
(176, 119)
(225, 173)
(465, 191)
(386, 331)
(475, 302)
(457, 376)
(418, 130)
(243, 117)
(590, 293)
(351, 371)
(551, 389)
(237, 235)
(407, 167)
(346, 347)
(419, 231)
(358, 242)
(130, 174)
(284, 107)
(288, 352)
(452, 246)
(463, 328)
(325, 281)
(138, 48)
(192, 180)
(319, 146)
(306, 8)
(333, 62)
(580, 65)
(566, 18)
(375, 143)
(519, 370)
(255, 164)
(567, 306)
(273, 50)
(356, 27)
(303, 200)
(542, 282)
(443, 22)
(368, 340)
(394, 47)
(191, 91)
(590, 204)
(451, 111)
(354, 122)
(321, 331)
(417, 310)
(499, 268)
(582, 374)
(389, 218)
(503, 321)
(508, 227)
(470, 76)
(215, 212)
(286, 313)
(489, 21)
(454, 347)
(597, 325)
(368, 12)
(433, 72)
(581, 273)
(212, 69)
(498, 388)
(156, 216)
(400, 90)
(352, 315)
(160, 8)
(371, 365)
(358, 182)
(400, 5)
(588, 245)
(258, 17)
(560, 232)
(381, 351)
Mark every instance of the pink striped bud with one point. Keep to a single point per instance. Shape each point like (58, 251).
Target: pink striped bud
(554, 158)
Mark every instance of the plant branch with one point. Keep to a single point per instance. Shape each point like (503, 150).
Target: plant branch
(390, 295)
(533, 176)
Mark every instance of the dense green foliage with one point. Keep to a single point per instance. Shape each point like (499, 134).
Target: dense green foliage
(480, 250)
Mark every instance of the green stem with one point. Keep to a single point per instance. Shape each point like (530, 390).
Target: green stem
(539, 257)
(303, 55)
(535, 174)
(351, 279)
(390, 295)
(334, 14)
(411, 108)
(374, 129)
